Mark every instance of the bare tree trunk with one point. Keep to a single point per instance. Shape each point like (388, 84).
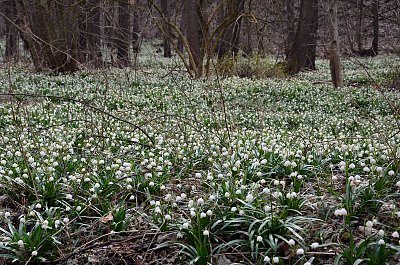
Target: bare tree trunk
(123, 34)
(10, 30)
(248, 29)
(290, 25)
(194, 34)
(230, 39)
(334, 56)
(135, 27)
(360, 16)
(303, 52)
(50, 28)
(375, 25)
(167, 29)
(93, 34)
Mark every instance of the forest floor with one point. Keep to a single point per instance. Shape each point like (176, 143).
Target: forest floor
(151, 167)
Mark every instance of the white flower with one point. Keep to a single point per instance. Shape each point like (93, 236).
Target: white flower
(352, 166)
(291, 242)
(38, 206)
(275, 260)
(391, 173)
(381, 233)
(307, 263)
(259, 239)
(200, 201)
(7, 215)
(267, 259)
(227, 194)
(369, 224)
(395, 234)
(68, 196)
(287, 163)
(185, 225)
(157, 210)
(202, 215)
(34, 253)
(233, 209)
(314, 245)
(341, 212)
(249, 198)
(21, 243)
(167, 217)
(206, 233)
(209, 212)
(197, 175)
(300, 251)
(381, 242)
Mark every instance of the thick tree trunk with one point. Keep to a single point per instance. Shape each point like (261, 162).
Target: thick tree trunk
(50, 28)
(123, 34)
(10, 30)
(303, 52)
(335, 64)
(229, 43)
(192, 12)
(166, 28)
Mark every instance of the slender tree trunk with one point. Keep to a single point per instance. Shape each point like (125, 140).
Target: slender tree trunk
(248, 29)
(10, 30)
(93, 34)
(360, 16)
(167, 29)
(375, 25)
(303, 52)
(135, 27)
(123, 34)
(334, 56)
(290, 25)
(229, 43)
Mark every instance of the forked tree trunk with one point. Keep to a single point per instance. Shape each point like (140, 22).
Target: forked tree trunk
(50, 30)
(334, 55)
(303, 52)
(166, 28)
(122, 40)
